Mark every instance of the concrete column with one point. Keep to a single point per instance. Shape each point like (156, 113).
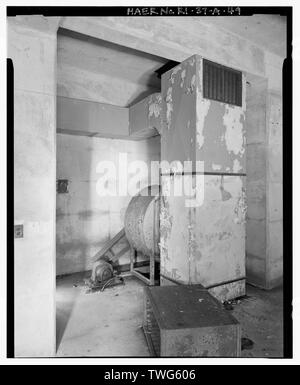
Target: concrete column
(274, 228)
(274, 236)
(32, 48)
(205, 243)
(256, 240)
(264, 179)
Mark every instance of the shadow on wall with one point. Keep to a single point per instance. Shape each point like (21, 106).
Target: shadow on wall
(85, 221)
(73, 204)
(82, 217)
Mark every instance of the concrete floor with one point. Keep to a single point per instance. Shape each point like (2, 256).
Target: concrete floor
(108, 324)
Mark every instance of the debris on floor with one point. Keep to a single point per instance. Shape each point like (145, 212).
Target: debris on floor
(84, 329)
(93, 286)
(229, 305)
(247, 344)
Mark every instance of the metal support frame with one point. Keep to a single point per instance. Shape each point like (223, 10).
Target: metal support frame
(149, 281)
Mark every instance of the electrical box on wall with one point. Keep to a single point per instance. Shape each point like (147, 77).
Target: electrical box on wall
(62, 186)
(19, 232)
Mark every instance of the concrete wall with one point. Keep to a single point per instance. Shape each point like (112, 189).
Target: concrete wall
(86, 221)
(32, 47)
(95, 70)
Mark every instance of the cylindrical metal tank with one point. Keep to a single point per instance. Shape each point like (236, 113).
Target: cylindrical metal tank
(142, 221)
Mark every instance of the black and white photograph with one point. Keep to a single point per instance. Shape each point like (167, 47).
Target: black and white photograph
(149, 165)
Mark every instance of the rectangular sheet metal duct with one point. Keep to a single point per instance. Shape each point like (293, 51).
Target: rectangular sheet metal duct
(204, 243)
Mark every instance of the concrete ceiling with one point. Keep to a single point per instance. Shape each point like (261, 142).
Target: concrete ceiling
(98, 70)
(266, 31)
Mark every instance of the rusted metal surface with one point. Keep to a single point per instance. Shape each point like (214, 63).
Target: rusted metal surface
(203, 244)
(206, 244)
(144, 117)
(223, 138)
(178, 112)
(139, 221)
(196, 128)
(186, 321)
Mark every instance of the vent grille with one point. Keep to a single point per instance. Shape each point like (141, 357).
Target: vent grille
(222, 83)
